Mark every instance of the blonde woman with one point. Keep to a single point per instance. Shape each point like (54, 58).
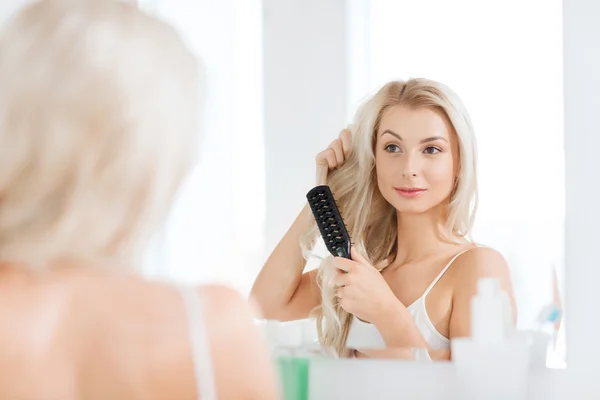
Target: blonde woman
(404, 176)
(98, 105)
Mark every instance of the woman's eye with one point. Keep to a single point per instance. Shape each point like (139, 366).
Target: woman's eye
(431, 150)
(392, 148)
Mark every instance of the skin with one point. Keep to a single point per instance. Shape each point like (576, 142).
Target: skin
(415, 148)
(82, 332)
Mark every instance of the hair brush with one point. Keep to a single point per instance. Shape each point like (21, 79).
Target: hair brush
(330, 222)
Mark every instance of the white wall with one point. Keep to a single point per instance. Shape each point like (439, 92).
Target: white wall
(215, 230)
(582, 141)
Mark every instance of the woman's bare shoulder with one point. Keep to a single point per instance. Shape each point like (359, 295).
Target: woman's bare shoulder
(148, 317)
(481, 261)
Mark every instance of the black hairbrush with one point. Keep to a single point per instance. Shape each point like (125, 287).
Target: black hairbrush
(330, 222)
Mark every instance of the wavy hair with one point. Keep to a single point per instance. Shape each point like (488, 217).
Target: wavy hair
(371, 220)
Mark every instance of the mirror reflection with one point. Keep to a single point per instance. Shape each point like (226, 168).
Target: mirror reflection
(382, 180)
(443, 148)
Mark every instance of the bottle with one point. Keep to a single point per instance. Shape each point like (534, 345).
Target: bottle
(488, 313)
(293, 348)
(492, 363)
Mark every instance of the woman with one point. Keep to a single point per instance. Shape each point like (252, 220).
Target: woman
(97, 130)
(404, 177)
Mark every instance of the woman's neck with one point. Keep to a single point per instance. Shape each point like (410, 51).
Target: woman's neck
(421, 235)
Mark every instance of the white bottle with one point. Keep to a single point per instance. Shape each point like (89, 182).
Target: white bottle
(487, 313)
(491, 364)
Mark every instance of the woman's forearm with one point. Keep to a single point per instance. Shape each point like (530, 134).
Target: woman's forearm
(398, 329)
(280, 276)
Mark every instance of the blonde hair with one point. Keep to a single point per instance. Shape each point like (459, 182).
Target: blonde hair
(371, 220)
(98, 126)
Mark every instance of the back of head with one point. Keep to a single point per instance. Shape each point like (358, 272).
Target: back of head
(98, 122)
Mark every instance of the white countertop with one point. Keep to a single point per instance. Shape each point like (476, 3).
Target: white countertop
(332, 379)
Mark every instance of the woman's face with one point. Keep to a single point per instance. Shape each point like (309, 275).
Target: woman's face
(416, 158)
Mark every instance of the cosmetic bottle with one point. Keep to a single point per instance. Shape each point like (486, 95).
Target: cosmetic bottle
(492, 363)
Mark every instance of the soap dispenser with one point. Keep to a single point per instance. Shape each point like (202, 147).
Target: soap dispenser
(491, 364)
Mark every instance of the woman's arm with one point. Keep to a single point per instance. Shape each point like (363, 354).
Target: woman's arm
(281, 290)
(399, 330)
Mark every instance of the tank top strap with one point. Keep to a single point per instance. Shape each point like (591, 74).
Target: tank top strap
(198, 337)
(437, 278)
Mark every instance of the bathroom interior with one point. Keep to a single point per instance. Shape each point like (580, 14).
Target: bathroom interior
(284, 76)
(291, 74)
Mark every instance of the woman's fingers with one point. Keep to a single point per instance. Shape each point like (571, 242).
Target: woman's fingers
(336, 145)
(346, 139)
(341, 279)
(344, 264)
(327, 158)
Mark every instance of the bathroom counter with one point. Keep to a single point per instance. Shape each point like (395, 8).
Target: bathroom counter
(392, 379)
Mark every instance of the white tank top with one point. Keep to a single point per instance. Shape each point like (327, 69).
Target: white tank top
(203, 367)
(364, 335)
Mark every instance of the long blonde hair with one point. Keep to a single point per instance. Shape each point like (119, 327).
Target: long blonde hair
(371, 220)
(98, 125)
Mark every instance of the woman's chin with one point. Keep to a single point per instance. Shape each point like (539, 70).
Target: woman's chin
(415, 206)
(412, 207)
(406, 211)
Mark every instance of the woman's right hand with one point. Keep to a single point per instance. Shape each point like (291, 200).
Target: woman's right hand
(333, 156)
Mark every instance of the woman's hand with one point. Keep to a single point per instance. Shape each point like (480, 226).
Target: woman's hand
(333, 156)
(362, 291)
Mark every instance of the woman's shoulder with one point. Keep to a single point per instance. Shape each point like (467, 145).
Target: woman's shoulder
(134, 300)
(150, 319)
(477, 263)
(154, 302)
(480, 261)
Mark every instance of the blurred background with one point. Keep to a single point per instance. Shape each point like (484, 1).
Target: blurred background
(285, 76)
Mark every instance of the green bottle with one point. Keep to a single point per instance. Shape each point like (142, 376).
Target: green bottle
(293, 374)
(294, 346)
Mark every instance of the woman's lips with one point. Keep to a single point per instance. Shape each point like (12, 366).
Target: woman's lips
(409, 193)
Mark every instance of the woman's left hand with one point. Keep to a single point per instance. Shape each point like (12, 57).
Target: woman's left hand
(362, 291)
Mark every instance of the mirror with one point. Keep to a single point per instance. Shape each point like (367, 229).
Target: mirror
(312, 63)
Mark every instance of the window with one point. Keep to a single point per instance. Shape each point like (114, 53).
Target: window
(213, 234)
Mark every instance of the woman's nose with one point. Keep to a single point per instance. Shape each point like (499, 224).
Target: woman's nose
(409, 166)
